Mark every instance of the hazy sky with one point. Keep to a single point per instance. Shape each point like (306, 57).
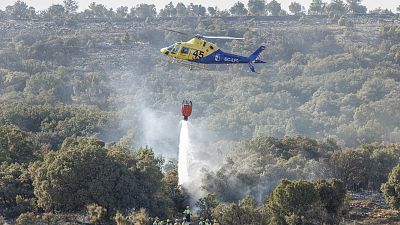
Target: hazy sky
(222, 4)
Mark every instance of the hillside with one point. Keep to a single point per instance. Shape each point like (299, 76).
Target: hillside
(81, 97)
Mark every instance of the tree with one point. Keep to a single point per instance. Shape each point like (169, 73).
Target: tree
(173, 192)
(391, 188)
(317, 7)
(256, 7)
(145, 10)
(336, 8)
(181, 9)
(55, 11)
(352, 167)
(274, 7)
(305, 202)
(169, 10)
(122, 11)
(238, 9)
(17, 146)
(83, 172)
(18, 11)
(246, 212)
(206, 205)
(212, 11)
(296, 8)
(71, 6)
(16, 190)
(197, 10)
(98, 10)
(49, 87)
(354, 6)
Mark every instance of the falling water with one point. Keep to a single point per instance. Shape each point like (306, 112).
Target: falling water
(184, 151)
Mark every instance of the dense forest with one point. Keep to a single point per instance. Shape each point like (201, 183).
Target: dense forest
(89, 116)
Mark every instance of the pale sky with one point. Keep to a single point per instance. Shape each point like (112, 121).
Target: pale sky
(222, 4)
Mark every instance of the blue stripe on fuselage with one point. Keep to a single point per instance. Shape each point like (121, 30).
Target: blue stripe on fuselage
(220, 57)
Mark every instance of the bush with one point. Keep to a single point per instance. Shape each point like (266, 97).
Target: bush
(121, 220)
(96, 213)
(305, 202)
(391, 188)
(27, 219)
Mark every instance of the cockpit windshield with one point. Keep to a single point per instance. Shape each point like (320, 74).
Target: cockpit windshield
(175, 49)
(170, 47)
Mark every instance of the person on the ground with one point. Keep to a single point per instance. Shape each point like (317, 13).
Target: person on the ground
(215, 222)
(207, 222)
(168, 222)
(177, 222)
(157, 221)
(187, 214)
(201, 221)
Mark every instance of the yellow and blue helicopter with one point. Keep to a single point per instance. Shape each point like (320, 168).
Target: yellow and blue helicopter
(198, 50)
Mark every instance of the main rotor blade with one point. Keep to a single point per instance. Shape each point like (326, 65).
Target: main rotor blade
(223, 37)
(186, 34)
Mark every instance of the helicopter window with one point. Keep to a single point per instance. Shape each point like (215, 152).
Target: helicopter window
(211, 47)
(170, 47)
(204, 44)
(184, 50)
(175, 49)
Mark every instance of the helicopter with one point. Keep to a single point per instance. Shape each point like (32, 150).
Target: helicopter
(198, 50)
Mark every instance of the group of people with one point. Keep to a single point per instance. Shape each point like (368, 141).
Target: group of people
(185, 221)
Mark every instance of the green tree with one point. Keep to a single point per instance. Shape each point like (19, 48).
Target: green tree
(71, 6)
(49, 88)
(83, 171)
(296, 8)
(274, 7)
(173, 192)
(246, 212)
(391, 188)
(206, 205)
(304, 202)
(332, 196)
(17, 146)
(16, 190)
(317, 7)
(256, 7)
(352, 167)
(354, 6)
(238, 9)
(149, 167)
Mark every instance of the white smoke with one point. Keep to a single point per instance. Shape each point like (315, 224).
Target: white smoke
(184, 155)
